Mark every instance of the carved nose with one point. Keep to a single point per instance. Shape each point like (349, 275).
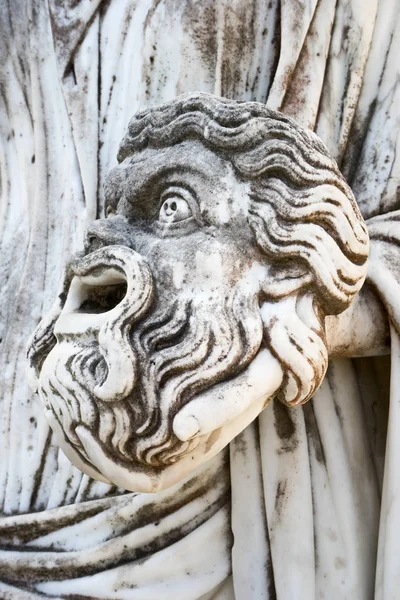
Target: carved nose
(108, 232)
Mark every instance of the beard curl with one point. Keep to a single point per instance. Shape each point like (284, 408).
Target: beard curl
(185, 345)
(295, 334)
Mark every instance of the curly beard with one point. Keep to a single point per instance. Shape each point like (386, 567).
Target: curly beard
(175, 346)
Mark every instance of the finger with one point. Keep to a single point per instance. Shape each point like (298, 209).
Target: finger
(226, 401)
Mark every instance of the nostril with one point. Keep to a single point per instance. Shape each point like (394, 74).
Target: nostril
(102, 298)
(93, 242)
(113, 231)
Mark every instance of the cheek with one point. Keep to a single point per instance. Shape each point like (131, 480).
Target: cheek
(172, 274)
(198, 262)
(209, 266)
(204, 270)
(196, 271)
(179, 274)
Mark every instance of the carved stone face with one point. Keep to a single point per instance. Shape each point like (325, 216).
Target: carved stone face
(180, 322)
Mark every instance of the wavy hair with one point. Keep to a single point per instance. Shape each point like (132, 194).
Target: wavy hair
(301, 211)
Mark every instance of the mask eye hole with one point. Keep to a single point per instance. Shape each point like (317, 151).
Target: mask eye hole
(174, 209)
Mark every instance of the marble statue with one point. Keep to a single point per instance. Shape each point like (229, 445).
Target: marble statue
(230, 236)
(214, 417)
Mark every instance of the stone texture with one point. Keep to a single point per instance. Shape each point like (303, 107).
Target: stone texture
(71, 77)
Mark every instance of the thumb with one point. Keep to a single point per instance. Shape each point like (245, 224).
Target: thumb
(227, 400)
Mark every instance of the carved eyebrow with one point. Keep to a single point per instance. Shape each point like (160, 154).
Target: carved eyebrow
(149, 185)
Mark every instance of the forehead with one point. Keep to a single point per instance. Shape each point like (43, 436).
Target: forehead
(181, 155)
(190, 160)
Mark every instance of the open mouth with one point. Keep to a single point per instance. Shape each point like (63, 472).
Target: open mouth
(98, 299)
(111, 277)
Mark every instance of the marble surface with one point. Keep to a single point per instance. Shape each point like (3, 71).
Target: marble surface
(230, 236)
(71, 78)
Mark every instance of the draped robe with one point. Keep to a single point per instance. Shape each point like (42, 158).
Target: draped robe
(311, 494)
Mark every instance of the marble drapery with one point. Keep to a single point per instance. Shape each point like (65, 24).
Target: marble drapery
(73, 74)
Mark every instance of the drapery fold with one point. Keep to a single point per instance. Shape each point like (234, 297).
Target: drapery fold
(71, 79)
(134, 541)
(320, 493)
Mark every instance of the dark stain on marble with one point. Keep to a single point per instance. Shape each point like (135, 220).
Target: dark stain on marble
(313, 433)
(285, 427)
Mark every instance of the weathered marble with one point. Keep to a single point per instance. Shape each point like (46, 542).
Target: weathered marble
(72, 75)
(230, 236)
